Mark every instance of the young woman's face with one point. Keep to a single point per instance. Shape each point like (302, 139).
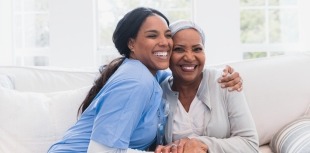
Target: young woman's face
(188, 57)
(153, 44)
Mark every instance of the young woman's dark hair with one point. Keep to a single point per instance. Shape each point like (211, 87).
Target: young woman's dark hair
(126, 29)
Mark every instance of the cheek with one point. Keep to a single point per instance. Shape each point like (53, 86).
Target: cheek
(172, 61)
(174, 57)
(142, 49)
(170, 42)
(203, 60)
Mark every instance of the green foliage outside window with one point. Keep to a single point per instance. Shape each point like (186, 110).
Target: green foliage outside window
(268, 23)
(252, 26)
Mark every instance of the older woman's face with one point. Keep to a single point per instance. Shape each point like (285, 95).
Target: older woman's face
(188, 57)
(153, 44)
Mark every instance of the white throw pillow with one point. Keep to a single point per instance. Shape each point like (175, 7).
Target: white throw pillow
(32, 122)
(6, 82)
(293, 138)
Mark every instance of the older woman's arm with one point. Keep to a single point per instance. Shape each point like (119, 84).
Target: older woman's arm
(244, 138)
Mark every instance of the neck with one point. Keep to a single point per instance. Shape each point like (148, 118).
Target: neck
(187, 90)
(153, 71)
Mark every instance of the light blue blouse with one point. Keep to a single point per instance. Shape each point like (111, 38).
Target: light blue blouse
(125, 113)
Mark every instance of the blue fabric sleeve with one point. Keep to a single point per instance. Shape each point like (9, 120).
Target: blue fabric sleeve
(121, 105)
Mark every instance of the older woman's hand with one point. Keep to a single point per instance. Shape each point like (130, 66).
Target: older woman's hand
(194, 146)
(184, 145)
(231, 79)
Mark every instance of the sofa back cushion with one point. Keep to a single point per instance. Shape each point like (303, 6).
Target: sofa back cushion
(46, 79)
(277, 90)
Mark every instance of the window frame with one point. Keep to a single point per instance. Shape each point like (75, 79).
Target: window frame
(268, 47)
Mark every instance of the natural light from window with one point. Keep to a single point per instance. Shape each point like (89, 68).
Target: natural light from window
(268, 27)
(58, 33)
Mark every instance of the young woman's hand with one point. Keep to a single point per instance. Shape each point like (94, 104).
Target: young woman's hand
(230, 79)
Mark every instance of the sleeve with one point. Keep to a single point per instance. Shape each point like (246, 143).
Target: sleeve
(95, 147)
(119, 108)
(244, 138)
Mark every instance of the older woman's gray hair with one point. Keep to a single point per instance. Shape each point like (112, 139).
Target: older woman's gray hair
(185, 24)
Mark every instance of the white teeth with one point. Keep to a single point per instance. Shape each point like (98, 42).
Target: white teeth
(188, 67)
(161, 53)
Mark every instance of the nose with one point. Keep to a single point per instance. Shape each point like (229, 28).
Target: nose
(163, 41)
(189, 56)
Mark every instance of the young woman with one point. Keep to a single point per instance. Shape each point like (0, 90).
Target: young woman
(203, 116)
(123, 109)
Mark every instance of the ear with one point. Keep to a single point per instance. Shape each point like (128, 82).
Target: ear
(131, 44)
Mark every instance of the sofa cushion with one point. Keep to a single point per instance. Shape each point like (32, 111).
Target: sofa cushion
(265, 149)
(293, 138)
(43, 79)
(277, 90)
(31, 122)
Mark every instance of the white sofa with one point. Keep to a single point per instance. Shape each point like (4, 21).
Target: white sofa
(37, 105)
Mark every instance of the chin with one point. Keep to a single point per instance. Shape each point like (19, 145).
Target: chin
(188, 78)
(162, 67)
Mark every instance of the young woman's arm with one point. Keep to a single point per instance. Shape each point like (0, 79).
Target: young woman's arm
(229, 79)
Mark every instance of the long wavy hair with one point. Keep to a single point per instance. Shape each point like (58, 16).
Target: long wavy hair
(126, 29)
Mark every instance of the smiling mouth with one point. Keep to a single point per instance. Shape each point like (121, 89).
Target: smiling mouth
(162, 55)
(188, 68)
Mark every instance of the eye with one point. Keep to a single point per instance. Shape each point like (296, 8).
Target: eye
(197, 49)
(178, 49)
(169, 35)
(151, 36)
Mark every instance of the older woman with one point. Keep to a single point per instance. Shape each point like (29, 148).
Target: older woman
(200, 109)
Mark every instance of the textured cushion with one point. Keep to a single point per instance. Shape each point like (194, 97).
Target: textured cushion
(31, 122)
(293, 138)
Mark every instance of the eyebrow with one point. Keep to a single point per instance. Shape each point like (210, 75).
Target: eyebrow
(197, 45)
(175, 44)
(168, 30)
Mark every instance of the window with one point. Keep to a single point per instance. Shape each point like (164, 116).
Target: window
(31, 32)
(31, 29)
(110, 12)
(268, 27)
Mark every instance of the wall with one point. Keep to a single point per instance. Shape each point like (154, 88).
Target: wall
(304, 24)
(72, 33)
(6, 54)
(220, 21)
